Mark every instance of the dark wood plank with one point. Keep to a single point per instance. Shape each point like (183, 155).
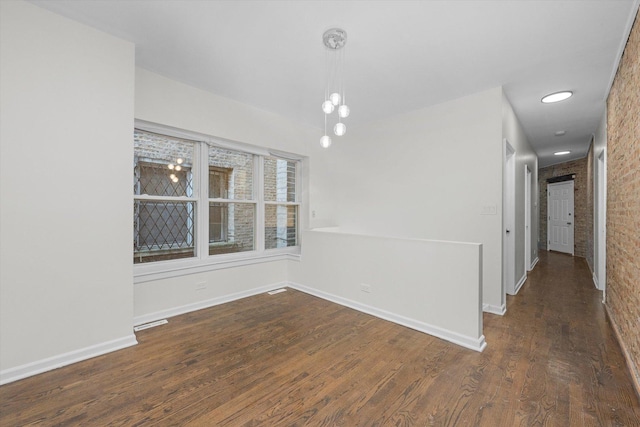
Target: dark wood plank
(293, 359)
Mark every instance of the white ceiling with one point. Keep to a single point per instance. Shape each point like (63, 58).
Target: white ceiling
(401, 55)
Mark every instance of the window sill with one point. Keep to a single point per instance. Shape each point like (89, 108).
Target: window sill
(167, 269)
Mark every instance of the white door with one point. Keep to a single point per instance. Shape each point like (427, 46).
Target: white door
(560, 221)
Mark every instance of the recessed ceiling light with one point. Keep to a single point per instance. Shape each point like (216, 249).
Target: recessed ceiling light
(561, 153)
(556, 97)
(560, 132)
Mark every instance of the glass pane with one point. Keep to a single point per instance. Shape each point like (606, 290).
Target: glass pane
(231, 227)
(281, 226)
(279, 180)
(163, 230)
(162, 165)
(230, 174)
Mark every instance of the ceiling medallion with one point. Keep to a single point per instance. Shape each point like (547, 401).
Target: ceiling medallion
(334, 38)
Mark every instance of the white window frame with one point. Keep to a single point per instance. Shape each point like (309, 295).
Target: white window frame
(202, 262)
(297, 203)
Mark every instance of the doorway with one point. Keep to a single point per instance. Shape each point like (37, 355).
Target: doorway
(560, 218)
(527, 218)
(600, 224)
(508, 218)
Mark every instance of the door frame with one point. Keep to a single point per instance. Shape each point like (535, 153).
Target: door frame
(600, 224)
(527, 218)
(508, 220)
(573, 218)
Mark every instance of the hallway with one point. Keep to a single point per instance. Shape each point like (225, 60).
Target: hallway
(561, 349)
(294, 359)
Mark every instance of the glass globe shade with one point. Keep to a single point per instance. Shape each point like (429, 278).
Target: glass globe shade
(340, 129)
(343, 111)
(325, 141)
(171, 166)
(334, 98)
(178, 168)
(179, 161)
(175, 179)
(327, 107)
(172, 176)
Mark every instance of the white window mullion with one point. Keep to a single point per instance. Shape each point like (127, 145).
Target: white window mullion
(282, 203)
(146, 197)
(170, 251)
(202, 194)
(258, 190)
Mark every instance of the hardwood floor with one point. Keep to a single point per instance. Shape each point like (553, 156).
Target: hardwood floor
(292, 359)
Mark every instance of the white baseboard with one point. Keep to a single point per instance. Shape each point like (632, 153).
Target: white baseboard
(533, 263)
(175, 311)
(495, 309)
(51, 363)
(520, 283)
(595, 281)
(631, 367)
(477, 344)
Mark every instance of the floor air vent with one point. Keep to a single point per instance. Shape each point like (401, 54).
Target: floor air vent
(149, 325)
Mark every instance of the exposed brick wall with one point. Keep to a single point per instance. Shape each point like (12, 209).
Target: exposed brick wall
(623, 201)
(582, 216)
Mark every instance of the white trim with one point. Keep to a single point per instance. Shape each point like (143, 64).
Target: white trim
(520, 283)
(227, 144)
(528, 176)
(201, 187)
(259, 222)
(146, 197)
(494, 309)
(477, 344)
(533, 263)
(600, 225)
(623, 43)
(573, 220)
(177, 268)
(594, 276)
(508, 217)
(176, 311)
(202, 261)
(199, 137)
(51, 363)
(285, 155)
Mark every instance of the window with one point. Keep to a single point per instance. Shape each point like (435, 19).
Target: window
(218, 213)
(232, 206)
(281, 206)
(195, 200)
(164, 207)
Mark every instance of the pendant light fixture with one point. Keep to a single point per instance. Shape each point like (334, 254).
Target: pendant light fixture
(334, 96)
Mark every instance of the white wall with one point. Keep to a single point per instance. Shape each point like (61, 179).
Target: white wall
(168, 102)
(171, 103)
(513, 132)
(425, 174)
(599, 216)
(169, 297)
(432, 286)
(66, 107)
